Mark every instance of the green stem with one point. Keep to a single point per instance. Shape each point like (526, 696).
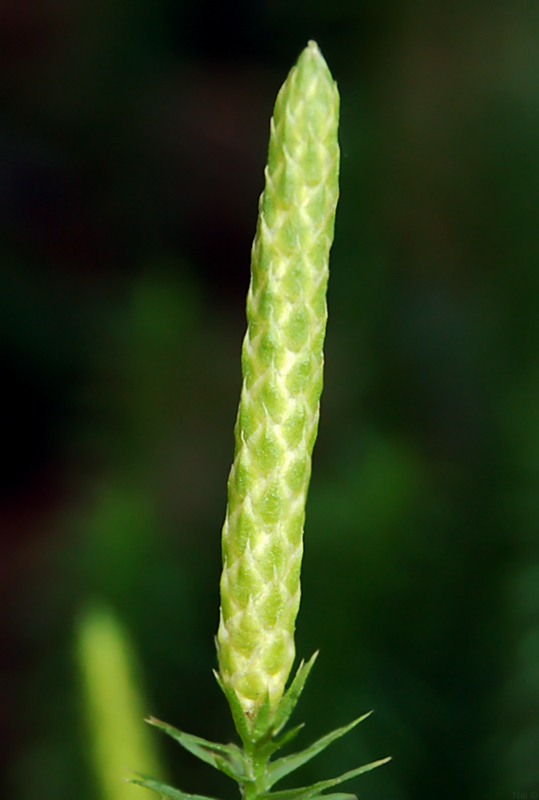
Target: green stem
(256, 767)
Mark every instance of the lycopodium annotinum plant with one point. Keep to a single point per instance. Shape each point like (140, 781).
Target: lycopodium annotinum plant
(276, 427)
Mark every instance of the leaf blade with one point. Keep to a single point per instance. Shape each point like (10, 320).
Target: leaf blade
(225, 757)
(284, 766)
(287, 737)
(291, 696)
(238, 715)
(310, 792)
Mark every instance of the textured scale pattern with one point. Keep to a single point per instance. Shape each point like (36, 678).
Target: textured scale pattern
(282, 364)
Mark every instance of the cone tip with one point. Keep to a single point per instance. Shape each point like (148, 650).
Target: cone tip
(312, 49)
(312, 55)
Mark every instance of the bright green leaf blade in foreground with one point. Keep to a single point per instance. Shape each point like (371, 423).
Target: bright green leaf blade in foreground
(282, 365)
(113, 703)
(284, 766)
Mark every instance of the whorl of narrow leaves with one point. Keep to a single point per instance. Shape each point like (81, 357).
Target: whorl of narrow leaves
(282, 380)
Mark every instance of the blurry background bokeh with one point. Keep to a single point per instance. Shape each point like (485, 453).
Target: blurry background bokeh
(133, 136)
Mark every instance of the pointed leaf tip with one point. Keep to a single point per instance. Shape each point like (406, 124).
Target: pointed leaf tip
(284, 766)
(225, 757)
(240, 720)
(314, 55)
(291, 696)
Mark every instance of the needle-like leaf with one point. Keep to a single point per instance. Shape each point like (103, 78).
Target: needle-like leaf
(283, 766)
(225, 757)
(309, 792)
(291, 696)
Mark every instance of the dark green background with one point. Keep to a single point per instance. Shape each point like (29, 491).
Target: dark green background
(132, 145)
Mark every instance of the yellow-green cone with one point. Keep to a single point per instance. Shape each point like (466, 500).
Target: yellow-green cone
(282, 380)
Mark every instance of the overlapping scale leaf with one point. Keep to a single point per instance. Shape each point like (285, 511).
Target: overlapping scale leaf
(282, 365)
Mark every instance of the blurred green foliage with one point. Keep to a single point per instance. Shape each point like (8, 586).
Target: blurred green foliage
(113, 702)
(132, 143)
